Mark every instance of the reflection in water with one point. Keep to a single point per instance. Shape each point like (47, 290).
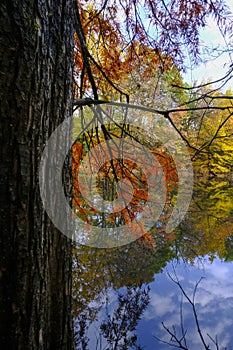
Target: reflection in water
(116, 323)
(208, 227)
(114, 308)
(122, 188)
(213, 303)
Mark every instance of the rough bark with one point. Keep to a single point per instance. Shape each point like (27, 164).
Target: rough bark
(36, 43)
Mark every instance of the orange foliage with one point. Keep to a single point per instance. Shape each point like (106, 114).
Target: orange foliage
(115, 38)
(148, 240)
(118, 170)
(110, 54)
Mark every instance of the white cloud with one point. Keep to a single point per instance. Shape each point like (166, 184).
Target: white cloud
(160, 306)
(214, 304)
(213, 69)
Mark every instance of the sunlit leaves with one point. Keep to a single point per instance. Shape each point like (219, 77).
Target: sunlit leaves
(117, 170)
(119, 36)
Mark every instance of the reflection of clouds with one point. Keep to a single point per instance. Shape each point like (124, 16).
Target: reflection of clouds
(222, 328)
(96, 340)
(217, 286)
(207, 34)
(212, 291)
(215, 295)
(214, 304)
(219, 270)
(159, 306)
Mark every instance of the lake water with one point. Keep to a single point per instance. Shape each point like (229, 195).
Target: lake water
(214, 303)
(140, 295)
(163, 288)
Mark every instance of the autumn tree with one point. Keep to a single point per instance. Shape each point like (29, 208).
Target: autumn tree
(116, 59)
(115, 38)
(37, 91)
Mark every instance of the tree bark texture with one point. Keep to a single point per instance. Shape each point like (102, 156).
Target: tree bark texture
(36, 59)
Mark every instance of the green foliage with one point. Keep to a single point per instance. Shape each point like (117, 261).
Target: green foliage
(208, 227)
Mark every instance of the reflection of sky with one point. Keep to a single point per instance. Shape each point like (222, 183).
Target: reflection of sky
(94, 330)
(214, 305)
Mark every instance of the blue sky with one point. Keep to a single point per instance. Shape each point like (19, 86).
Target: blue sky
(213, 69)
(214, 305)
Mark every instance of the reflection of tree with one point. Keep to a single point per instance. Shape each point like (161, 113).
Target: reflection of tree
(229, 246)
(116, 168)
(179, 336)
(81, 324)
(96, 270)
(206, 231)
(208, 226)
(117, 331)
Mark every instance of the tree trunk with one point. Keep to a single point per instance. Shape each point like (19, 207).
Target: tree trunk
(36, 59)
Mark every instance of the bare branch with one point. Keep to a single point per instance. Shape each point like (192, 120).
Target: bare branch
(228, 76)
(192, 303)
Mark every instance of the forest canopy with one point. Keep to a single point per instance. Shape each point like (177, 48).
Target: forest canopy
(117, 38)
